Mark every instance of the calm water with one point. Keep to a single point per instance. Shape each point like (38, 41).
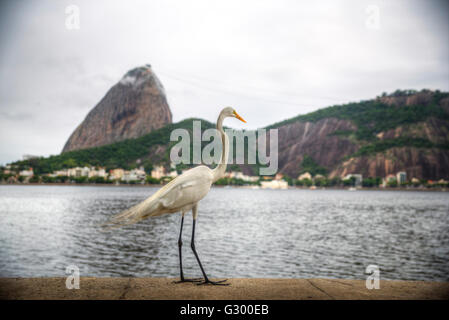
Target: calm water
(240, 233)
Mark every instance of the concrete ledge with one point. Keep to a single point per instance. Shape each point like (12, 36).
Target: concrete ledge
(239, 289)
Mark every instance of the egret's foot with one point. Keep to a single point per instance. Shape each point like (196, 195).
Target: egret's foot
(215, 283)
(189, 280)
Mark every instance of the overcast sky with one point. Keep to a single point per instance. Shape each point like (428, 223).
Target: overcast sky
(271, 60)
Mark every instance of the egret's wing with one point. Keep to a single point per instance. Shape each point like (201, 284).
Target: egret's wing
(183, 193)
(186, 189)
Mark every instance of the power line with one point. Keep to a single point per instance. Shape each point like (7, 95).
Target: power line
(257, 88)
(227, 91)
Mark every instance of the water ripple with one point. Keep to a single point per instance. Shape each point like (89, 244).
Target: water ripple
(240, 233)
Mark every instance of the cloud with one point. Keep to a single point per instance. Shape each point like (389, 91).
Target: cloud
(271, 60)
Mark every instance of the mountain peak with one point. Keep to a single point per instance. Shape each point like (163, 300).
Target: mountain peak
(133, 107)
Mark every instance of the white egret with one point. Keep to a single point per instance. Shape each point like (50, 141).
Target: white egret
(182, 194)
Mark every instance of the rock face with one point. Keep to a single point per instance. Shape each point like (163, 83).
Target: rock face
(338, 153)
(423, 97)
(314, 139)
(429, 164)
(133, 107)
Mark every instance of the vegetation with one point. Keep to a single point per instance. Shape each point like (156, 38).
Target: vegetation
(122, 154)
(152, 180)
(373, 116)
(382, 145)
(234, 182)
(370, 117)
(304, 182)
(371, 182)
(309, 165)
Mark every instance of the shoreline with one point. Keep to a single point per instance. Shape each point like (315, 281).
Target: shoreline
(221, 186)
(92, 288)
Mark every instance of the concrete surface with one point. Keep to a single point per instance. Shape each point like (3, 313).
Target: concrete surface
(269, 289)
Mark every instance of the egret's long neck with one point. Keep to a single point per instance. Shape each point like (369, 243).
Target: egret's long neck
(220, 170)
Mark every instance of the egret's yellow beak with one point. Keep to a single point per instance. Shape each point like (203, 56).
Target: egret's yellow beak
(239, 117)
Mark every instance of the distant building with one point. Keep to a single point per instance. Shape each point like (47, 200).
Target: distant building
(132, 175)
(93, 173)
(401, 177)
(158, 172)
(274, 184)
(251, 178)
(388, 179)
(318, 177)
(82, 172)
(26, 173)
(139, 174)
(358, 178)
(304, 176)
(78, 172)
(241, 176)
(116, 174)
(100, 172)
(60, 173)
(278, 176)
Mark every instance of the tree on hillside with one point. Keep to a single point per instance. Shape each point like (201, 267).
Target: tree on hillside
(308, 164)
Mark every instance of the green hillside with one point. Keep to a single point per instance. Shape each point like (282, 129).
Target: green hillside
(122, 154)
(370, 117)
(373, 116)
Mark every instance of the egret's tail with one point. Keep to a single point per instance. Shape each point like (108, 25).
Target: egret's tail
(133, 215)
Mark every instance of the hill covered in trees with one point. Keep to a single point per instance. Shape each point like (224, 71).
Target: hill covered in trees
(403, 131)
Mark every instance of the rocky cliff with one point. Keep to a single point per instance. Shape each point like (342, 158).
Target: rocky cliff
(133, 107)
(402, 132)
(314, 139)
(338, 153)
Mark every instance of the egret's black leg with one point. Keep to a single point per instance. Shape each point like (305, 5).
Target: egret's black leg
(206, 279)
(180, 257)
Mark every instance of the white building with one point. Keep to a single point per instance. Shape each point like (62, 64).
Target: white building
(304, 176)
(278, 176)
(116, 174)
(26, 173)
(130, 176)
(158, 172)
(60, 173)
(241, 176)
(358, 178)
(401, 177)
(387, 179)
(139, 173)
(93, 173)
(274, 184)
(78, 172)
